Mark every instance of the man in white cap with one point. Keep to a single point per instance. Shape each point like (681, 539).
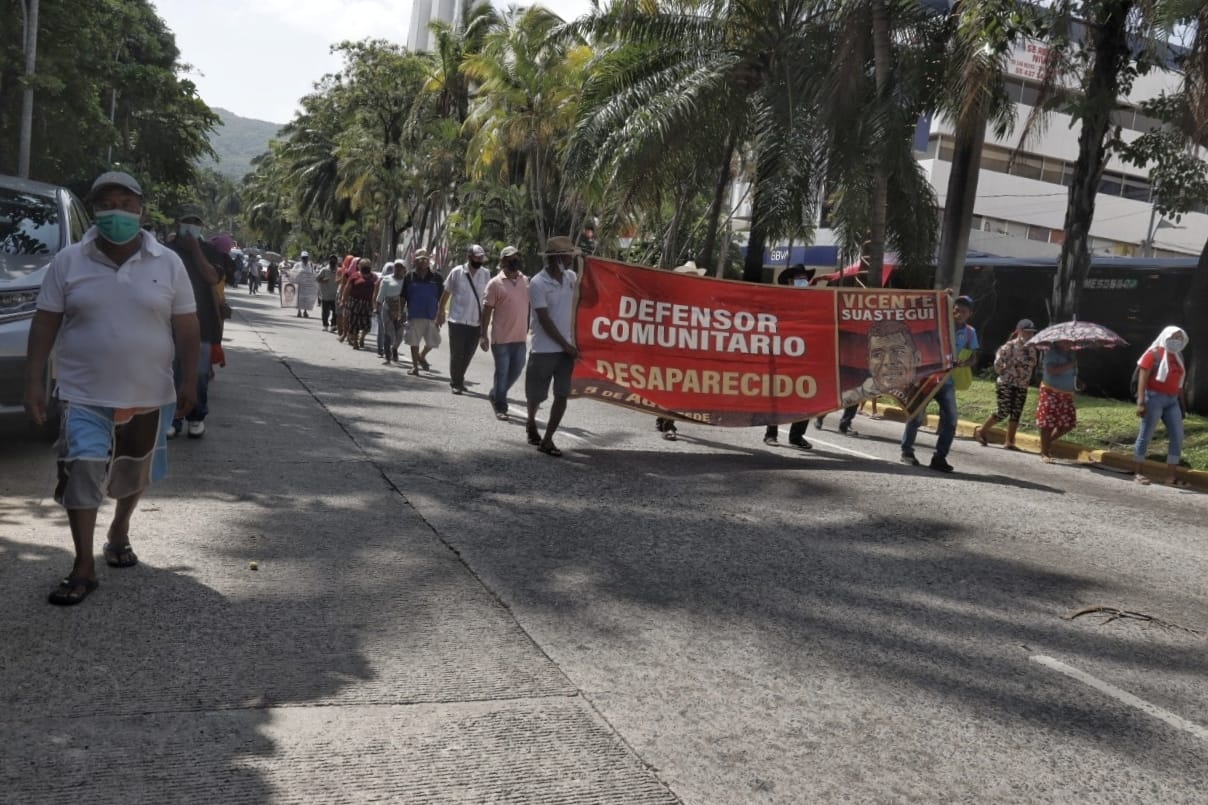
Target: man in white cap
(115, 302)
(465, 289)
(505, 315)
(422, 291)
(306, 283)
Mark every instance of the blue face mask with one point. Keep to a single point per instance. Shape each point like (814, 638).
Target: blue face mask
(119, 227)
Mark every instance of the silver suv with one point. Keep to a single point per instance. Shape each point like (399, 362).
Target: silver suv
(36, 221)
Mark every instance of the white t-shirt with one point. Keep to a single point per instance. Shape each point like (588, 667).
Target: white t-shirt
(464, 308)
(115, 346)
(559, 299)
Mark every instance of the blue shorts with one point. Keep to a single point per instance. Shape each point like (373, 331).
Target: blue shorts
(110, 451)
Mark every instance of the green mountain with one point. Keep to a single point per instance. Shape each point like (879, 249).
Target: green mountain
(237, 141)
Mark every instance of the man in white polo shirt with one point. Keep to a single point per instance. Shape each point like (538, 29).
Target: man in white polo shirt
(114, 302)
(465, 290)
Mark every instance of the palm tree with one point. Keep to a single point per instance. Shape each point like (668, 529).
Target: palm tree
(528, 85)
(446, 78)
(710, 79)
(884, 72)
(1100, 46)
(974, 96)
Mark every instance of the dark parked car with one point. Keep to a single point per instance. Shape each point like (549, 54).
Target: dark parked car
(36, 221)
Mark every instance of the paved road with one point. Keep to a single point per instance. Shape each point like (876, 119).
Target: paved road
(441, 614)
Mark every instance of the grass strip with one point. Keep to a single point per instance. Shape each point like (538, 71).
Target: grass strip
(1103, 424)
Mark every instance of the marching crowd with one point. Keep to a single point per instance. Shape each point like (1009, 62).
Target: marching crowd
(136, 323)
(476, 310)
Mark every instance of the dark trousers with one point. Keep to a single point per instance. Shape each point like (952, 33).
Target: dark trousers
(796, 430)
(202, 408)
(463, 340)
(329, 309)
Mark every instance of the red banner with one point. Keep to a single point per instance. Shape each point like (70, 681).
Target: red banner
(740, 354)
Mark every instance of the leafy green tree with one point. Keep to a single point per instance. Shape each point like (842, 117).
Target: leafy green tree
(973, 96)
(109, 90)
(266, 200)
(1099, 47)
(704, 81)
(1178, 174)
(380, 87)
(446, 76)
(528, 86)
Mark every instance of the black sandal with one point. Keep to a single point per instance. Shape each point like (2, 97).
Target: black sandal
(549, 450)
(534, 438)
(72, 590)
(119, 555)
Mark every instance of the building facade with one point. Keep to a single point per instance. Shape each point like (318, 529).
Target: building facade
(1023, 188)
(426, 11)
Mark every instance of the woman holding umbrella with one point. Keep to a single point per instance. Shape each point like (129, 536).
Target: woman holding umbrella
(1160, 374)
(1055, 413)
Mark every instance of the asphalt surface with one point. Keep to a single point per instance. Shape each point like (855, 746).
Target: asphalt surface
(442, 614)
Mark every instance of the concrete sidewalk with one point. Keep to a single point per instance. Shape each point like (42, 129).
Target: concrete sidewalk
(360, 661)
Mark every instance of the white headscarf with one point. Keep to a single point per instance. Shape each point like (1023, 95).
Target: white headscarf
(1163, 342)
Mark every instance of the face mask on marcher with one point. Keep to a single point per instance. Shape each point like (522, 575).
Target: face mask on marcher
(119, 227)
(192, 230)
(1175, 345)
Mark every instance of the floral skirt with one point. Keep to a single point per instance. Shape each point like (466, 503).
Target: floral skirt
(1056, 409)
(360, 316)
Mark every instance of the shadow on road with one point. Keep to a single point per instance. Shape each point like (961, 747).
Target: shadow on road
(734, 563)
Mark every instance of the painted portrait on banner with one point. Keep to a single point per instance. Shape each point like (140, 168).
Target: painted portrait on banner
(893, 344)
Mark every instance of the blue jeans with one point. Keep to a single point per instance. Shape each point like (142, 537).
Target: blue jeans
(943, 443)
(509, 363)
(389, 333)
(202, 408)
(1164, 407)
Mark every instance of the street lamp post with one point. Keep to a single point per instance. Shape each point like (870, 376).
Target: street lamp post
(1154, 225)
(29, 9)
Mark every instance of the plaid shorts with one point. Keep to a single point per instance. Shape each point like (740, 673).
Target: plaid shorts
(1056, 409)
(110, 450)
(1011, 400)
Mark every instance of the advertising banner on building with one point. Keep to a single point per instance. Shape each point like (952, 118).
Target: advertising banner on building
(740, 354)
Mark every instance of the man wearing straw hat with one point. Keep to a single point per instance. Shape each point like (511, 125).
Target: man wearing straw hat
(553, 352)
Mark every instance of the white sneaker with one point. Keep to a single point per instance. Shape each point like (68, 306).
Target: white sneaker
(173, 431)
(197, 430)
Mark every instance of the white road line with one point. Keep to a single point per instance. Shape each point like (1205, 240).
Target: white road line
(1122, 696)
(841, 449)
